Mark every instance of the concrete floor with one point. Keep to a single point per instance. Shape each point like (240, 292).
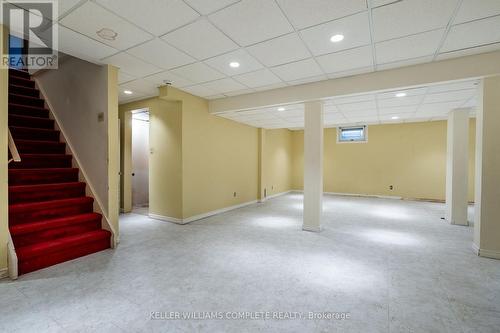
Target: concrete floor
(394, 266)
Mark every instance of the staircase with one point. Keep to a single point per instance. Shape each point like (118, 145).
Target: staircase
(51, 220)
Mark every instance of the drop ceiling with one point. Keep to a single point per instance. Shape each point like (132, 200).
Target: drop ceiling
(277, 42)
(423, 103)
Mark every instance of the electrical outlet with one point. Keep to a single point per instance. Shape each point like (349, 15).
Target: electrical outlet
(234, 194)
(391, 187)
(100, 117)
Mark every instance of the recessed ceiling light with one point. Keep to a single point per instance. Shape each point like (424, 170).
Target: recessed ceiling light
(336, 38)
(281, 109)
(401, 94)
(107, 34)
(395, 117)
(127, 92)
(234, 64)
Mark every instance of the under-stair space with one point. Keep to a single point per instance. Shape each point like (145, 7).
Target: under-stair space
(51, 220)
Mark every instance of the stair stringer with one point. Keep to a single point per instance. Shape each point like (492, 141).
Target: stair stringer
(82, 175)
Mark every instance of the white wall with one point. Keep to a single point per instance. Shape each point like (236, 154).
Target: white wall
(140, 162)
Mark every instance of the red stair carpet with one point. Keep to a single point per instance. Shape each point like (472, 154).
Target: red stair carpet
(50, 218)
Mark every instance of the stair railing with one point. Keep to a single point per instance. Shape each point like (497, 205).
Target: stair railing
(13, 150)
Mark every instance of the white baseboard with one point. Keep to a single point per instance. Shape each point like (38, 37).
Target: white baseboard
(200, 216)
(356, 195)
(277, 195)
(166, 218)
(217, 211)
(311, 229)
(4, 273)
(485, 253)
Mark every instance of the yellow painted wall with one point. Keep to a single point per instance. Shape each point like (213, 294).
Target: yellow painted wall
(411, 157)
(277, 157)
(165, 140)
(4, 224)
(219, 157)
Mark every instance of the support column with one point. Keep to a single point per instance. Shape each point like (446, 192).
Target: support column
(457, 167)
(313, 166)
(487, 191)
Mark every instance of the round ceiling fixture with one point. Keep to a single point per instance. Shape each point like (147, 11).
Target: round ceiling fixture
(401, 94)
(127, 92)
(107, 34)
(337, 38)
(234, 64)
(395, 118)
(281, 109)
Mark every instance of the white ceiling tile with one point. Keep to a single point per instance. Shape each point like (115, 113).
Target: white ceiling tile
(238, 92)
(298, 70)
(409, 47)
(140, 86)
(400, 109)
(449, 96)
(200, 91)
(404, 63)
(437, 108)
(307, 13)
(215, 96)
(131, 65)
(354, 99)
(400, 117)
(473, 34)
(90, 18)
(246, 61)
(224, 85)
(65, 5)
(346, 60)
(252, 21)
(124, 77)
(360, 113)
(308, 80)
(206, 7)
(400, 101)
(260, 78)
(198, 73)
(355, 29)
(467, 52)
(155, 16)
(176, 80)
(366, 105)
(409, 92)
(271, 86)
(351, 72)
(280, 50)
(159, 53)
(410, 17)
(82, 47)
(477, 9)
(200, 40)
(463, 85)
(378, 3)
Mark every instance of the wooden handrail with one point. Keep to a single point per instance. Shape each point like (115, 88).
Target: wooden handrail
(13, 150)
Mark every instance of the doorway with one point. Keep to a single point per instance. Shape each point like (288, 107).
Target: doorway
(140, 161)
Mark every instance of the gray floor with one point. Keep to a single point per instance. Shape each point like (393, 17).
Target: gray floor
(393, 266)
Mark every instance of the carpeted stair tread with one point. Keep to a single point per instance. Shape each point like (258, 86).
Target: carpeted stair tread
(20, 81)
(28, 110)
(19, 73)
(26, 100)
(30, 121)
(44, 192)
(24, 91)
(42, 176)
(41, 134)
(45, 248)
(37, 161)
(26, 228)
(41, 147)
(43, 210)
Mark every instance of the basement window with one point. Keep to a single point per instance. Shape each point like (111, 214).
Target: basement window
(352, 134)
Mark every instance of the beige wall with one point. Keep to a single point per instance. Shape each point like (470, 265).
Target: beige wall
(411, 157)
(219, 157)
(278, 158)
(4, 218)
(165, 162)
